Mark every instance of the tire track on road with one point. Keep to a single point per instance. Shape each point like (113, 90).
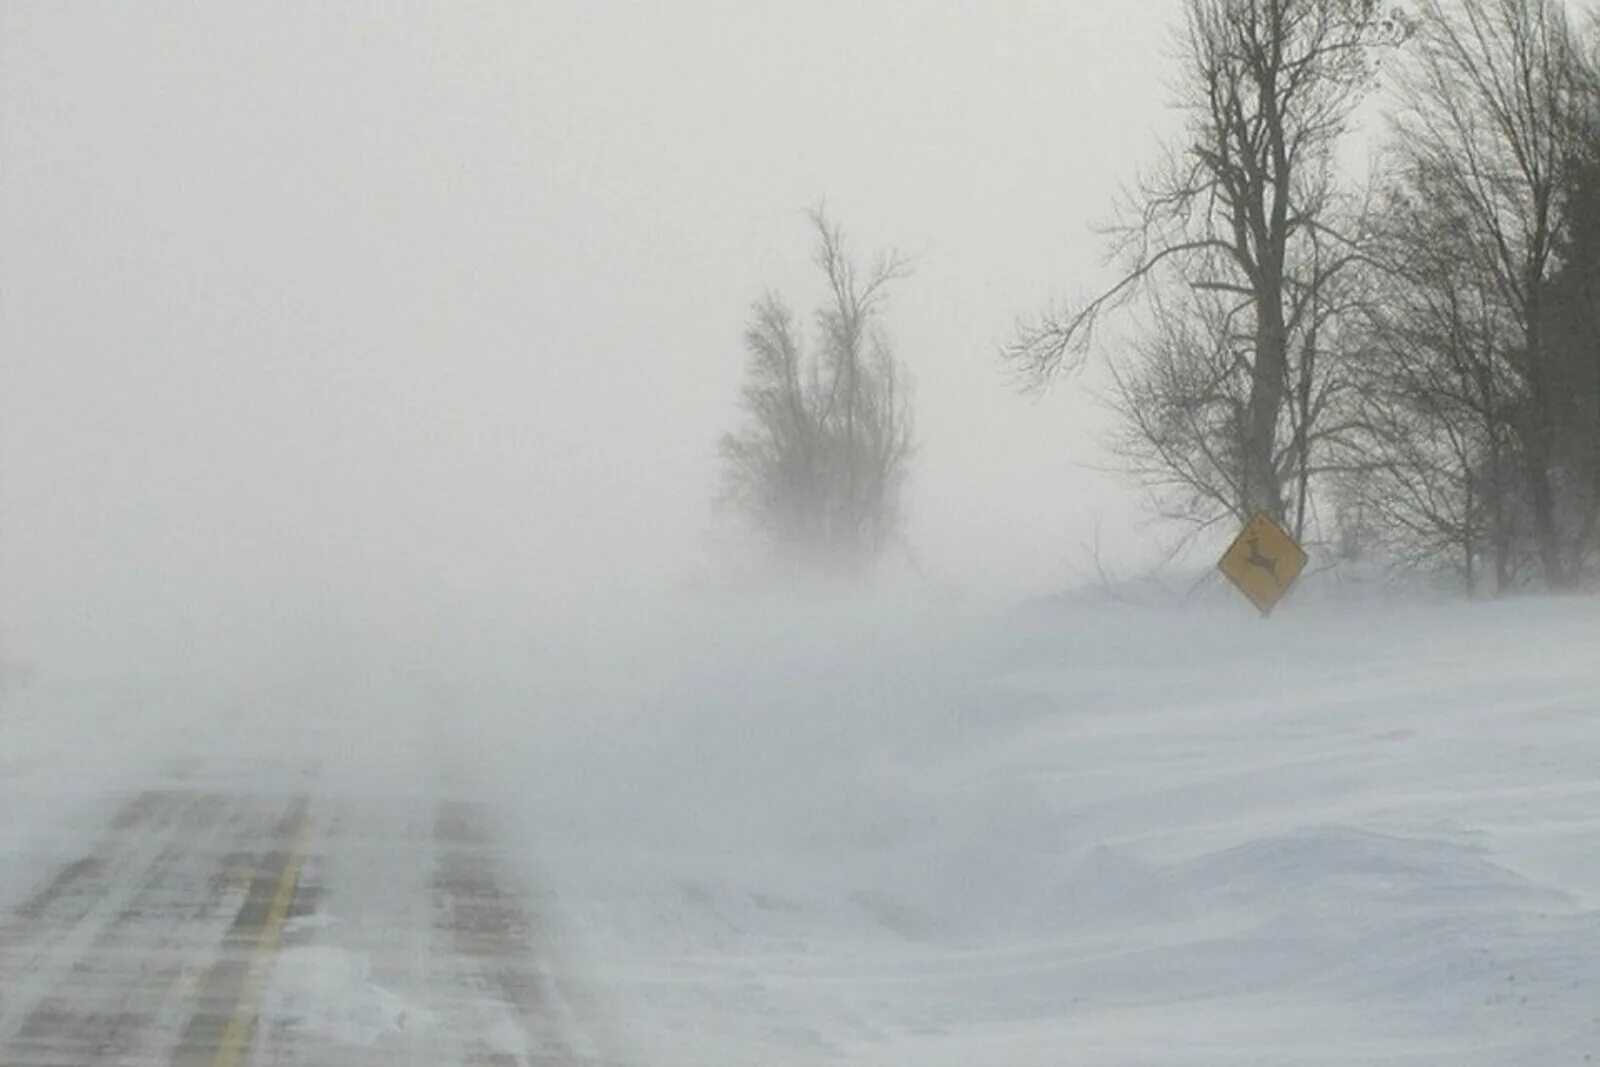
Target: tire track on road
(88, 960)
(492, 935)
(72, 893)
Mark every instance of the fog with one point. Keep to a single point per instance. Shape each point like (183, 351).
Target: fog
(399, 695)
(321, 316)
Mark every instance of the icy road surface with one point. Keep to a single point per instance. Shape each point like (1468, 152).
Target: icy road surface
(1078, 832)
(213, 928)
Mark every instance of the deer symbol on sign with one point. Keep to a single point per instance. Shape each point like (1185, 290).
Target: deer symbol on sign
(1256, 559)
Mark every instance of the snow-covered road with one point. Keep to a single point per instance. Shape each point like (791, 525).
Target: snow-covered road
(211, 928)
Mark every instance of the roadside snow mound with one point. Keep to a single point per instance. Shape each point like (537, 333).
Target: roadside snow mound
(1357, 833)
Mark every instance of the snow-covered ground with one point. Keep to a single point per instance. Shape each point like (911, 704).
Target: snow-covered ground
(1075, 831)
(1082, 832)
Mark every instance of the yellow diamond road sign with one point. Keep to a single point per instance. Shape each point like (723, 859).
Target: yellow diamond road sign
(1263, 562)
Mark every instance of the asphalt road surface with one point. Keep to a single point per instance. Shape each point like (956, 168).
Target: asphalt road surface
(206, 928)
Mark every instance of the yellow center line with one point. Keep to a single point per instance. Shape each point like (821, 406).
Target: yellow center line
(236, 1037)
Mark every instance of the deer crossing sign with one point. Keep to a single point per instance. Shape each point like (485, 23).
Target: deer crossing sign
(1263, 562)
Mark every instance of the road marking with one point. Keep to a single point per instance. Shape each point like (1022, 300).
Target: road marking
(236, 1037)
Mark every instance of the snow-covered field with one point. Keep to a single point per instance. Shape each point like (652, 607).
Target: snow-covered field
(1071, 832)
(1090, 834)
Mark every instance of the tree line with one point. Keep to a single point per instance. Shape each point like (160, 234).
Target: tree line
(1402, 363)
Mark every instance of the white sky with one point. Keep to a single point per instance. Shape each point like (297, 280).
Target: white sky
(357, 303)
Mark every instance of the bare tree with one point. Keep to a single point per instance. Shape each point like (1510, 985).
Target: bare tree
(1248, 211)
(1493, 119)
(818, 467)
(1430, 460)
(774, 467)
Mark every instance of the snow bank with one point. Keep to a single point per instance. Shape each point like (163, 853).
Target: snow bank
(1176, 835)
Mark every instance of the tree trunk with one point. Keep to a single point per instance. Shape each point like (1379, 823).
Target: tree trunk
(1537, 449)
(1262, 489)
